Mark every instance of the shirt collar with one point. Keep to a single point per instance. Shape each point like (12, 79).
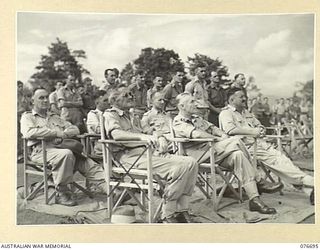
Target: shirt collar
(185, 119)
(231, 107)
(119, 111)
(49, 113)
(155, 111)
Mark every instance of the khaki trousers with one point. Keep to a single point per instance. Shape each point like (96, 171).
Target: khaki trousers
(179, 173)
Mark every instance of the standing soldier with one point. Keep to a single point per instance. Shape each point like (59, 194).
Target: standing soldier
(71, 103)
(217, 98)
(172, 90)
(157, 86)
(53, 99)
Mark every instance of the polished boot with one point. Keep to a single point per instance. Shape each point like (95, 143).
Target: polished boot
(257, 205)
(65, 199)
(269, 187)
(171, 219)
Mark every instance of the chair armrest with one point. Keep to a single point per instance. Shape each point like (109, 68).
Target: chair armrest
(275, 136)
(91, 135)
(120, 142)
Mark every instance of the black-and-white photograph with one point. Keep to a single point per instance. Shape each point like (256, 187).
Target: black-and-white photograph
(164, 118)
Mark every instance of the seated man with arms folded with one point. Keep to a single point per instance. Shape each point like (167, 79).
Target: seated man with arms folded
(41, 123)
(234, 120)
(179, 172)
(229, 152)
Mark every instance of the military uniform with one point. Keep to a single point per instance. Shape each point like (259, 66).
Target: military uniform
(171, 91)
(217, 97)
(282, 166)
(229, 152)
(197, 88)
(179, 172)
(64, 163)
(71, 114)
(93, 126)
(156, 121)
(140, 95)
(53, 100)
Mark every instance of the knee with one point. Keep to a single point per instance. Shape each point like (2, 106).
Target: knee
(67, 153)
(238, 154)
(191, 164)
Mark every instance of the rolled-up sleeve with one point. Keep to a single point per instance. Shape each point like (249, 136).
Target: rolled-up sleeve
(226, 121)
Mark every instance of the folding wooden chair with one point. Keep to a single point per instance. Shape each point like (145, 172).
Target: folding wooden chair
(130, 178)
(279, 140)
(207, 171)
(302, 139)
(43, 170)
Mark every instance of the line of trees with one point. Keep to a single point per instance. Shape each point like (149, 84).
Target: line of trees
(62, 61)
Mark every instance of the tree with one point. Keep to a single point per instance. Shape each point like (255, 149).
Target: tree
(155, 62)
(210, 65)
(127, 73)
(306, 90)
(57, 65)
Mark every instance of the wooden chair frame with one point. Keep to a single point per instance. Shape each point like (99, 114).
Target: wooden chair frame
(117, 175)
(44, 170)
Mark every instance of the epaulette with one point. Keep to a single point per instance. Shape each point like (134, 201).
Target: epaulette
(27, 112)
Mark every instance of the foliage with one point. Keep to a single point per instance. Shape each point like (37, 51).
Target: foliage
(57, 65)
(306, 90)
(154, 62)
(210, 65)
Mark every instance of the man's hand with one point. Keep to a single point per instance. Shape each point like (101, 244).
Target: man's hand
(163, 145)
(152, 140)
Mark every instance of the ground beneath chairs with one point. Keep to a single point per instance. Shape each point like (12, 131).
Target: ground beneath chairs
(293, 207)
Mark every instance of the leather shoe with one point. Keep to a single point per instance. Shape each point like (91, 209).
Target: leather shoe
(312, 197)
(269, 187)
(187, 217)
(257, 205)
(65, 200)
(171, 219)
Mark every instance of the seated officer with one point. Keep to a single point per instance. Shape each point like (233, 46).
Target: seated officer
(234, 120)
(179, 172)
(41, 123)
(93, 119)
(229, 152)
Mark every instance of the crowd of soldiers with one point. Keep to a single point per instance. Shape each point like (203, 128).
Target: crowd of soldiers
(197, 109)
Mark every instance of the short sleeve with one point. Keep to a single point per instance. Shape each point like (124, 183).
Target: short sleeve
(226, 121)
(111, 122)
(60, 94)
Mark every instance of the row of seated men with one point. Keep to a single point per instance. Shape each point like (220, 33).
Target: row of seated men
(179, 172)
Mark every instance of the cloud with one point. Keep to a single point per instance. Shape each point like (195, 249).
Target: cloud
(273, 50)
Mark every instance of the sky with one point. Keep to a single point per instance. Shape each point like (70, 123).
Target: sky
(277, 50)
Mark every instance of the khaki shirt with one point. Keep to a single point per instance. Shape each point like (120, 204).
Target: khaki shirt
(171, 91)
(68, 95)
(93, 121)
(184, 127)
(114, 119)
(140, 94)
(230, 119)
(197, 88)
(156, 121)
(53, 98)
(33, 125)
